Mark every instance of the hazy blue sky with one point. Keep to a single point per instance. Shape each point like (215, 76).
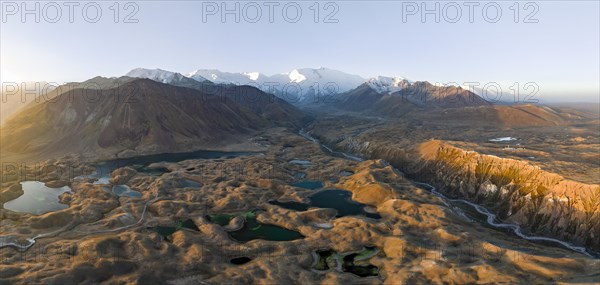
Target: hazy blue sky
(560, 53)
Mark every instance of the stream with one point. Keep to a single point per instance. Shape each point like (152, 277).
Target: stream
(103, 174)
(490, 220)
(10, 241)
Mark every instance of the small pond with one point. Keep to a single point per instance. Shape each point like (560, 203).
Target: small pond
(308, 184)
(291, 205)
(340, 200)
(253, 229)
(503, 139)
(300, 162)
(167, 231)
(37, 199)
(240, 260)
(125, 191)
(185, 183)
(153, 171)
(299, 175)
(356, 262)
(141, 163)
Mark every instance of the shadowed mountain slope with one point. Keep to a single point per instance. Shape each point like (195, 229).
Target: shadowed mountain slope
(140, 115)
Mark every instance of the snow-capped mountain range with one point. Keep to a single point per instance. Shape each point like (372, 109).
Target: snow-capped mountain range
(298, 84)
(218, 76)
(304, 78)
(160, 75)
(384, 84)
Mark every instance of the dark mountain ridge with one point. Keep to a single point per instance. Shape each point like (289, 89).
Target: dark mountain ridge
(142, 116)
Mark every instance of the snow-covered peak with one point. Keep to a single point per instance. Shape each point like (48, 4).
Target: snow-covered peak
(218, 76)
(384, 84)
(159, 75)
(308, 79)
(296, 77)
(252, 75)
(309, 82)
(323, 77)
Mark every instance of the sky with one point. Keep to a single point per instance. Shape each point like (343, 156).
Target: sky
(554, 44)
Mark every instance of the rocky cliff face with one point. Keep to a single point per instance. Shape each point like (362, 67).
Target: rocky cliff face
(542, 203)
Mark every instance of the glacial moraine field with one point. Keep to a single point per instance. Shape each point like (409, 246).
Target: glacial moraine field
(250, 217)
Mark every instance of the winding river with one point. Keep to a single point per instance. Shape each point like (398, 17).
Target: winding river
(10, 240)
(452, 204)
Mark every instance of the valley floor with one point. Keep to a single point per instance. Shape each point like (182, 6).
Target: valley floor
(571, 150)
(108, 239)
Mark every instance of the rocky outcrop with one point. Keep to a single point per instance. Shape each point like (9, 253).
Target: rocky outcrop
(122, 175)
(11, 193)
(542, 203)
(56, 183)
